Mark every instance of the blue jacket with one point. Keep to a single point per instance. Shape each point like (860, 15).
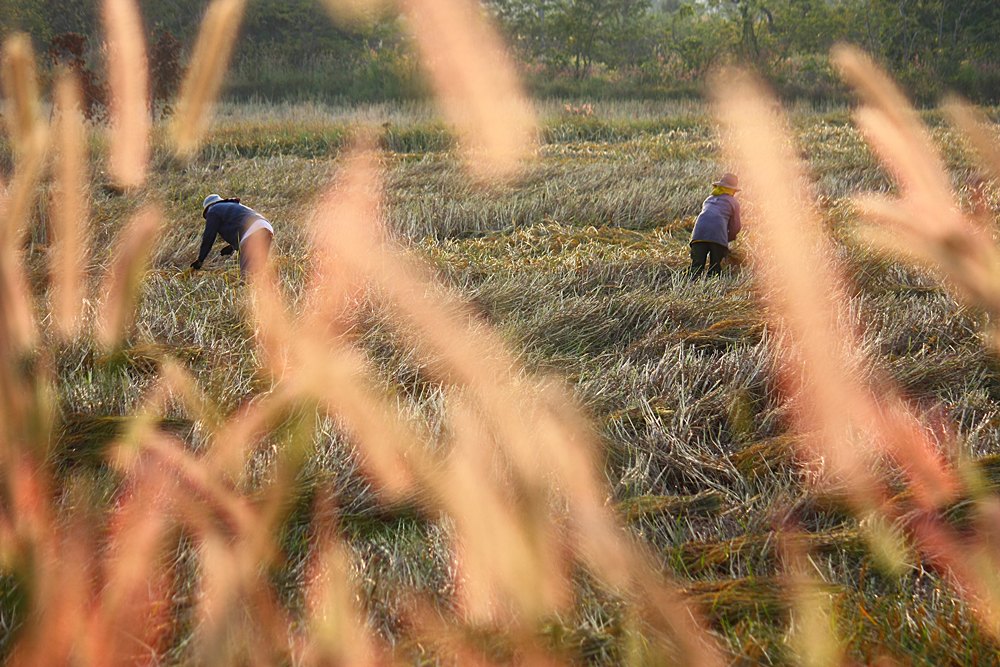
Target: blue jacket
(228, 219)
(718, 222)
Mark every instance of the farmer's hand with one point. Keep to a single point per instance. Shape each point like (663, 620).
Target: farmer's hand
(228, 250)
(196, 265)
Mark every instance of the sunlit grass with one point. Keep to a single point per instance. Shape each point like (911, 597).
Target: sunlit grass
(578, 265)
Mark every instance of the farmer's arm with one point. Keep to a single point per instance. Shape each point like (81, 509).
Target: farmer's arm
(207, 239)
(734, 221)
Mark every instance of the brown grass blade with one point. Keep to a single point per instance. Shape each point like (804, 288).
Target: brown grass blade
(204, 76)
(121, 282)
(70, 209)
(475, 83)
(128, 76)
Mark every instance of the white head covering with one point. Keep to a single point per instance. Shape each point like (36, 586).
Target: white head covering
(209, 200)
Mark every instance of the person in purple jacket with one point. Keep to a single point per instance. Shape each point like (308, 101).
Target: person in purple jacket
(244, 229)
(717, 225)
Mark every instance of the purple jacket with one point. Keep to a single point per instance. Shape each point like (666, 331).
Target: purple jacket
(719, 220)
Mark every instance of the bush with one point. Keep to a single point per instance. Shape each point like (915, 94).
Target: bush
(978, 81)
(375, 75)
(807, 77)
(165, 66)
(69, 50)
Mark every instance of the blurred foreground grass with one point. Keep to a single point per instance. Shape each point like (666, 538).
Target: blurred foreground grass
(581, 264)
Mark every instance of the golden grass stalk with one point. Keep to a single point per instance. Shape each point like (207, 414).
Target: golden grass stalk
(63, 563)
(314, 365)
(508, 434)
(203, 80)
(813, 624)
(927, 215)
(131, 609)
(792, 265)
(120, 285)
(29, 137)
(475, 83)
(17, 330)
(798, 281)
(337, 636)
(216, 502)
(128, 78)
(20, 91)
(441, 329)
(854, 421)
(922, 175)
(978, 131)
(503, 559)
(70, 219)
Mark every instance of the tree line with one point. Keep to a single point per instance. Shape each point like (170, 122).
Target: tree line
(587, 48)
(930, 44)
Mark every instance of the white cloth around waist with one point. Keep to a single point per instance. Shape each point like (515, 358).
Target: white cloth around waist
(256, 226)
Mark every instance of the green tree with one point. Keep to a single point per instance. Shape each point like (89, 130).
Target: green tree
(694, 39)
(577, 33)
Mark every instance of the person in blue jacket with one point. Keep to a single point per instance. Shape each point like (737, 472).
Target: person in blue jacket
(717, 225)
(244, 229)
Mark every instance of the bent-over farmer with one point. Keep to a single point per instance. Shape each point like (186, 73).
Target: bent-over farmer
(717, 225)
(244, 229)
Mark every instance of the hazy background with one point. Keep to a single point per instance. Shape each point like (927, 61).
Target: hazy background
(568, 48)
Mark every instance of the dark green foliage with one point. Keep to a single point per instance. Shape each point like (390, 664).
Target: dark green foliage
(70, 50)
(576, 34)
(595, 49)
(165, 65)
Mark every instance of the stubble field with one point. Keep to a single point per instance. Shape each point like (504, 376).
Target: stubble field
(581, 265)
